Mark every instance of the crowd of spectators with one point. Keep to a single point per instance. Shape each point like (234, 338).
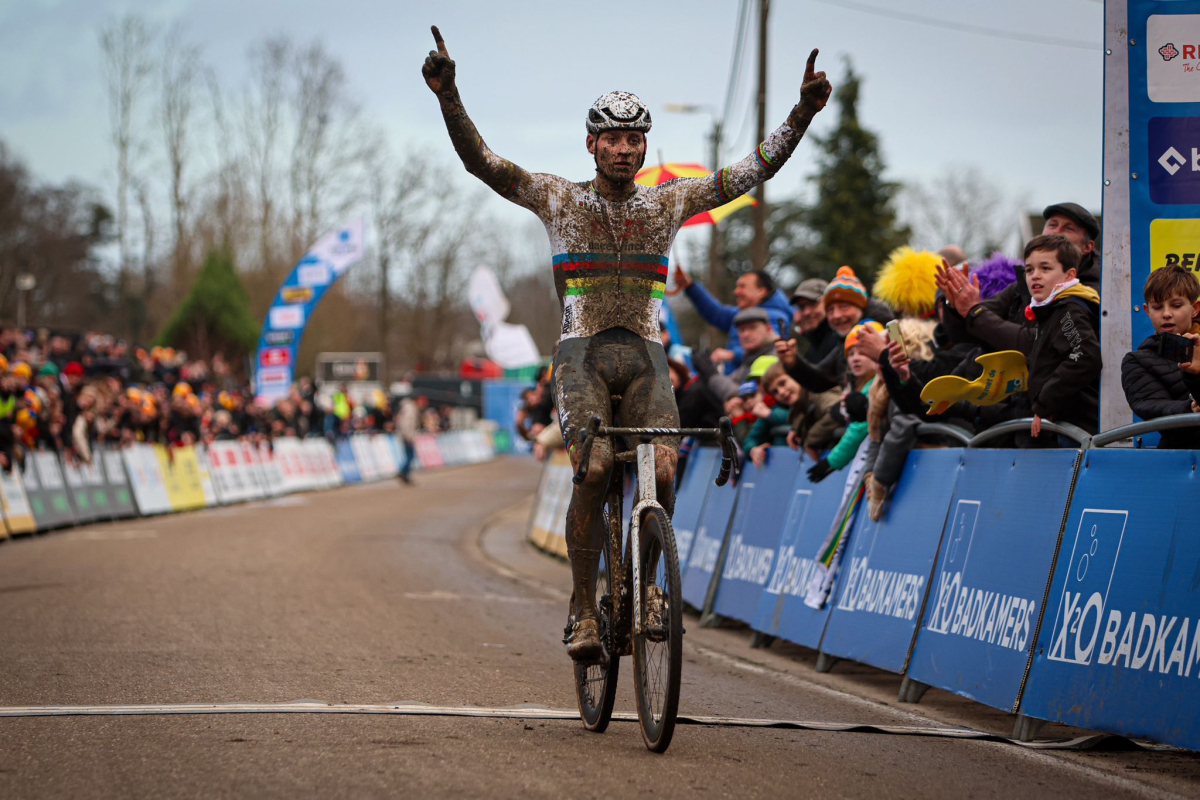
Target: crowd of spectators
(822, 373)
(69, 392)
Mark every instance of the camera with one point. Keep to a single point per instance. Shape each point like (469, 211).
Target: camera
(1177, 349)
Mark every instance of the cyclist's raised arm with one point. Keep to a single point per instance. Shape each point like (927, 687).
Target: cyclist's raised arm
(504, 177)
(733, 181)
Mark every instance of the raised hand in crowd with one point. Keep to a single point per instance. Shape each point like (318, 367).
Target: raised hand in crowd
(721, 356)
(735, 407)
(682, 279)
(785, 351)
(758, 455)
(871, 343)
(899, 361)
(761, 410)
(793, 440)
(960, 286)
(1192, 366)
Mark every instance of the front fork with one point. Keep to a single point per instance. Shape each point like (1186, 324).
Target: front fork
(646, 497)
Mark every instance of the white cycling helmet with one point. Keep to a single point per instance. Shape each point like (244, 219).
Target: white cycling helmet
(618, 111)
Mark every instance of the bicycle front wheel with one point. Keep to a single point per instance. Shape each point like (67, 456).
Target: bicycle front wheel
(658, 647)
(596, 684)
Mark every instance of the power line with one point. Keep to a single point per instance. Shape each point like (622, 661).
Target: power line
(735, 66)
(981, 30)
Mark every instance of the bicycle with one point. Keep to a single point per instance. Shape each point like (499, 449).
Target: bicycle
(644, 616)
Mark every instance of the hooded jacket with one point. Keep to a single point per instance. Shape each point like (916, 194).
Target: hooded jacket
(721, 316)
(1156, 387)
(1064, 358)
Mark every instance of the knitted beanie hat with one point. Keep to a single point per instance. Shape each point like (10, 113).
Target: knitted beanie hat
(846, 288)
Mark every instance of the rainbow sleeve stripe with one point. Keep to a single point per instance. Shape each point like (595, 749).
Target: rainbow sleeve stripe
(764, 160)
(581, 274)
(722, 184)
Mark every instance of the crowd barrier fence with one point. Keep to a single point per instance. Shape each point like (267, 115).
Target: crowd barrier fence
(1058, 585)
(52, 491)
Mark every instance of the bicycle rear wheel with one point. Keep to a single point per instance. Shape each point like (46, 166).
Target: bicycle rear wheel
(658, 648)
(596, 684)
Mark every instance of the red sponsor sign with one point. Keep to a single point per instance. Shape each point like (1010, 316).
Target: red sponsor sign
(275, 357)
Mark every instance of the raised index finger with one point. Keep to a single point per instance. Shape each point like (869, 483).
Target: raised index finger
(810, 70)
(441, 43)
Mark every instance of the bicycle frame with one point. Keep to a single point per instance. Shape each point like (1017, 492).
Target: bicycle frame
(646, 497)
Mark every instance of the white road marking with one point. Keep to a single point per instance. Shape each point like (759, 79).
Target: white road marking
(440, 595)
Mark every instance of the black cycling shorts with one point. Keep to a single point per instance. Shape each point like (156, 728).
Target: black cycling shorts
(588, 371)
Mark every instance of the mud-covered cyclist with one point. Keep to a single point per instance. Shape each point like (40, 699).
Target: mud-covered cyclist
(610, 240)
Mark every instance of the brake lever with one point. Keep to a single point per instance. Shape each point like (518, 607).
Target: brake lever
(729, 453)
(585, 454)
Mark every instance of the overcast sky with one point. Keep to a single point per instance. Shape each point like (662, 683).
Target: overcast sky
(1029, 113)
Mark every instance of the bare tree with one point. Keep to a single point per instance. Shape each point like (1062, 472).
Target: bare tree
(960, 206)
(181, 74)
(262, 122)
(329, 142)
(125, 43)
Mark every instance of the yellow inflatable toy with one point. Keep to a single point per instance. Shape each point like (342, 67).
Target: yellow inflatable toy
(1004, 374)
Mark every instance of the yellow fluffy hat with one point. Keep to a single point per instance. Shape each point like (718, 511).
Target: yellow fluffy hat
(907, 281)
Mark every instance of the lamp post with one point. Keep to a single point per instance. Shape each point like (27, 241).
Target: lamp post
(715, 256)
(25, 283)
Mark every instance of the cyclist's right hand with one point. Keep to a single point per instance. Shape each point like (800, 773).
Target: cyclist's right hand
(438, 68)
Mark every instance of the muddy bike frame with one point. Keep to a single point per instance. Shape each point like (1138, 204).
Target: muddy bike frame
(647, 487)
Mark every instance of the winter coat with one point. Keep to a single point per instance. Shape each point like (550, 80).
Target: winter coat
(847, 447)
(821, 340)
(1156, 387)
(1064, 359)
(830, 371)
(726, 386)
(698, 406)
(721, 316)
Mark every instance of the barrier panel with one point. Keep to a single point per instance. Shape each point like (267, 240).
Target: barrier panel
(252, 470)
(229, 477)
(763, 500)
(47, 491)
(548, 525)
(428, 451)
(346, 463)
(993, 568)
(146, 479)
(324, 462)
(86, 489)
(699, 473)
(271, 470)
(206, 479)
(810, 513)
(181, 473)
(887, 566)
(120, 496)
(18, 515)
(1119, 648)
(711, 532)
(385, 458)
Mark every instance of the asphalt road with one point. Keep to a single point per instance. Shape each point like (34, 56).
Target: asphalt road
(379, 594)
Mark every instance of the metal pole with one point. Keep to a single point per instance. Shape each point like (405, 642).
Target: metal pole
(758, 252)
(715, 255)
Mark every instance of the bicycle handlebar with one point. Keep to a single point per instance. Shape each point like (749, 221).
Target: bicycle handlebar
(724, 434)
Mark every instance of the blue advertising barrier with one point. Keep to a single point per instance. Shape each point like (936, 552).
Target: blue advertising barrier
(346, 462)
(501, 400)
(765, 495)
(710, 538)
(699, 474)
(1119, 649)
(993, 569)
(887, 565)
(811, 508)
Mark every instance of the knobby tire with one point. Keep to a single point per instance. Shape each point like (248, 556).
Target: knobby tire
(658, 654)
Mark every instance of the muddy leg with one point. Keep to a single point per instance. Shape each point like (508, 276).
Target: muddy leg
(585, 528)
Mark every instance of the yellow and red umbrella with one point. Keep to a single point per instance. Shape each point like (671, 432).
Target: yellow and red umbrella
(653, 176)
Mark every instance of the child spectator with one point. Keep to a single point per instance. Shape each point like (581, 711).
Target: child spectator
(1155, 386)
(860, 372)
(769, 418)
(808, 418)
(1064, 355)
